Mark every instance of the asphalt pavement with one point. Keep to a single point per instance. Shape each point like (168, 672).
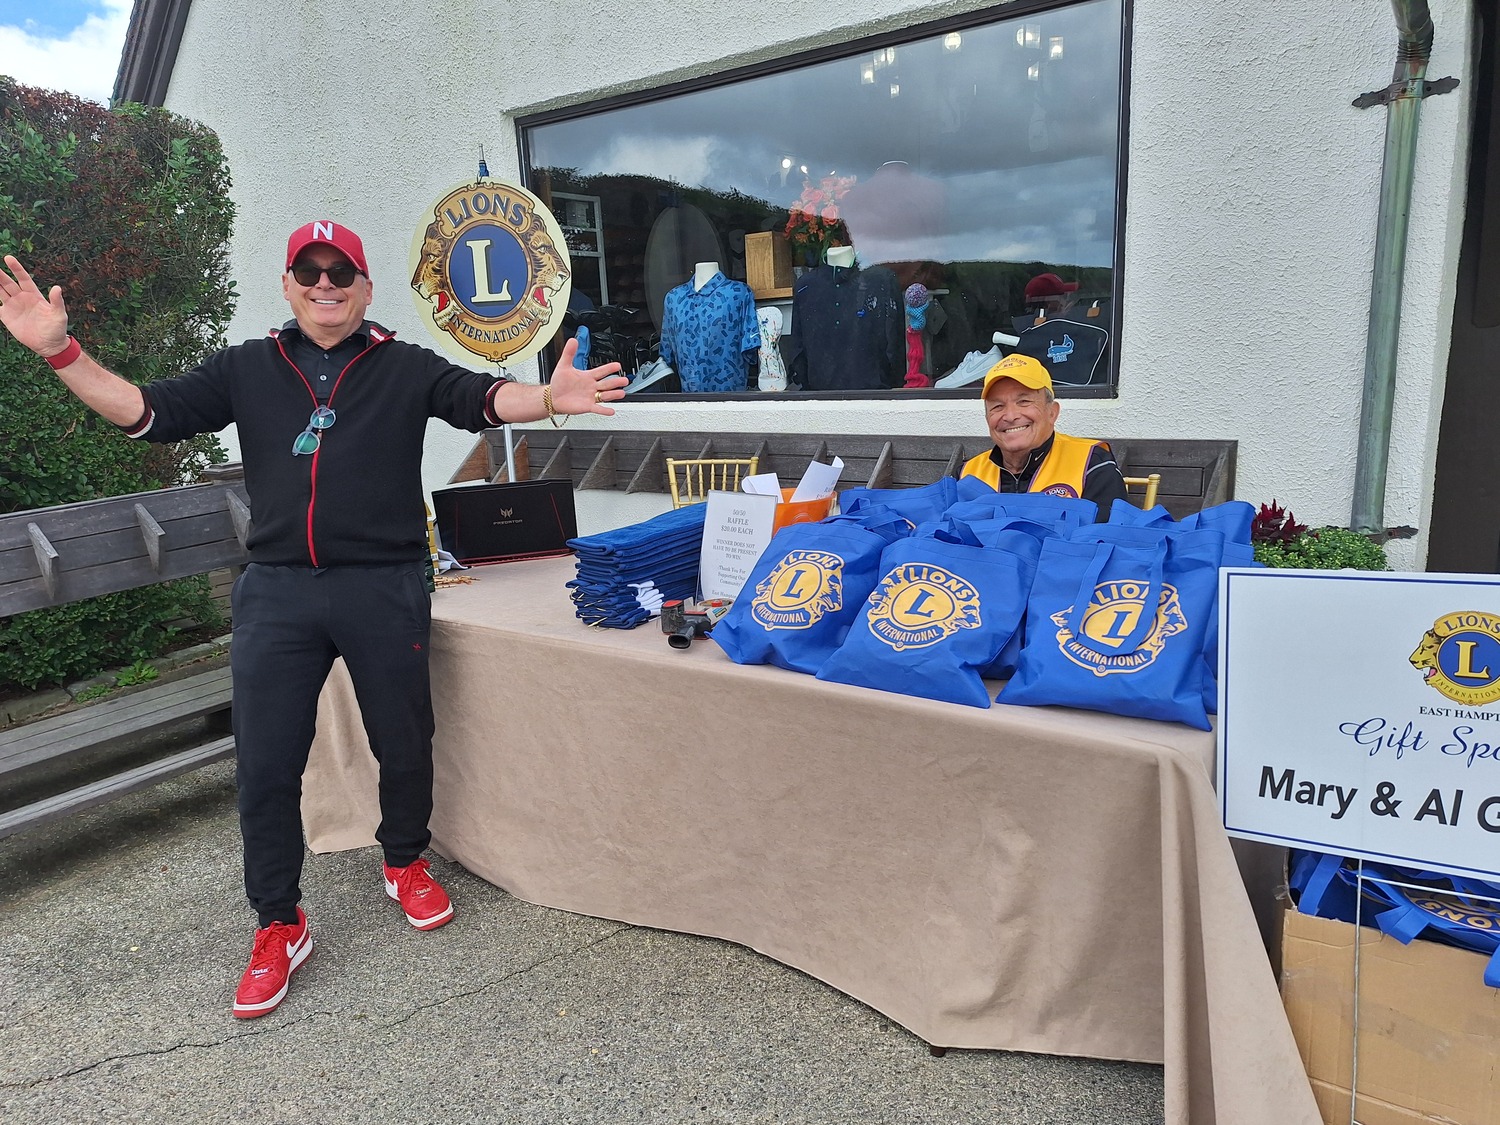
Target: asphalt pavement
(123, 932)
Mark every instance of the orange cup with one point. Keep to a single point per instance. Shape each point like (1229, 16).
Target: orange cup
(804, 511)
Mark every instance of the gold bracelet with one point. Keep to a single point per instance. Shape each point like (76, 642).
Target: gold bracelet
(552, 414)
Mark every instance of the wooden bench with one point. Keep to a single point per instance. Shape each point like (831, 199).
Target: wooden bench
(53, 556)
(1196, 473)
(108, 723)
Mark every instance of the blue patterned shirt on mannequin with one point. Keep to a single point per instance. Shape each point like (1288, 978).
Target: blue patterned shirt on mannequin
(708, 334)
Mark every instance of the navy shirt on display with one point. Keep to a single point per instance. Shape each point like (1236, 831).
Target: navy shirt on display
(848, 330)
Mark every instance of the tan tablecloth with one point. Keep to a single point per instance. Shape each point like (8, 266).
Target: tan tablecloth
(1031, 879)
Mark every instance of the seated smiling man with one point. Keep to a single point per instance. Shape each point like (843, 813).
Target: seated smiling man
(1029, 454)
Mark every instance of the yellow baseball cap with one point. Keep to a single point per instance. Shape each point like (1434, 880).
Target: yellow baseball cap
(1023, 369)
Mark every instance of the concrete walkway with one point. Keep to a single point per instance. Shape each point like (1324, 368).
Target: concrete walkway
(124, 930)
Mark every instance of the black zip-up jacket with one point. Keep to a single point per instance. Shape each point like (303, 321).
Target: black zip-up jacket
(358, 499)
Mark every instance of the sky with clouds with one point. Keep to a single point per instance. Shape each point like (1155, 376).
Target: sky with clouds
(71, 45)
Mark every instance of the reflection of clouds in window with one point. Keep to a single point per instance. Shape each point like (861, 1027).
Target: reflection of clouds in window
(958, 110)
(1062, 212)
(716, 162)
(687, 160)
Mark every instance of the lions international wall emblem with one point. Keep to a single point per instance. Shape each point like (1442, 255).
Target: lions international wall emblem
(492, 271)
(917, 604)
(1112, 615)
(1460, 657)
(800, 589)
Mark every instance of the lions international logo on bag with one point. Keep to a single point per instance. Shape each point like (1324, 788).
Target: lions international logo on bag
(1450, 908)
(1113, 612)
(1460, 657)
(917, 605)
(492, 271)
(800, 589)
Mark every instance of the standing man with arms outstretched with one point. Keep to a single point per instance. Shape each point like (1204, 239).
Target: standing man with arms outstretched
(331, 411)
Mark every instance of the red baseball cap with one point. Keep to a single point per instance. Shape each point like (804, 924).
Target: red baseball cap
(342, 239)
(1048, 285)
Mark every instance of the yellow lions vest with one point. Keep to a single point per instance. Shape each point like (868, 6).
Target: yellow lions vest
(1059, 474)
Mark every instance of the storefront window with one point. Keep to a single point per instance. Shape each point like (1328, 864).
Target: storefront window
(854, 225)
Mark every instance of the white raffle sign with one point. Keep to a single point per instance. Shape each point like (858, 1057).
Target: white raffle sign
(1359, 713)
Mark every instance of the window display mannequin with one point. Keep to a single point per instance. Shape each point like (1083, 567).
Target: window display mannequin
(772, 369)
(848, 326)
(709, 333)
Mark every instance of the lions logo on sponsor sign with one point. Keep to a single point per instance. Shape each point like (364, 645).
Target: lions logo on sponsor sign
(1112, 614)
(1460, 657)
(492, 271)
(917, 605)
(800, 589)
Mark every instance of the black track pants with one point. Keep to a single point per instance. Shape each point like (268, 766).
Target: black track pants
(290, 622)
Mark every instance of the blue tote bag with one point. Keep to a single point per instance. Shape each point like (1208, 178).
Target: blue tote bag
(999, 531)
(1066, 513)
(1119, 626)
(1231, 519)
(915, 505)
(1128, 515)
(1454, 909)
(1231, 554)
(802, 594)
(879, 518)
(1235, 554)
(940, 614)
(992, 530)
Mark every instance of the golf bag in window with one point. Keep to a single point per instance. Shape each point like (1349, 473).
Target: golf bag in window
(1074, 352)
(608, 342)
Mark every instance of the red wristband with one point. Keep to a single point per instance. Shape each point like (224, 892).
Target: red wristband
(66, 356)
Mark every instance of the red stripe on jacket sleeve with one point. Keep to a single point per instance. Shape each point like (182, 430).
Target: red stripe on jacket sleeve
(490, 413)
(143, 425)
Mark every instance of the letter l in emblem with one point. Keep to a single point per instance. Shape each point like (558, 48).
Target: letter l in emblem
(477, 248)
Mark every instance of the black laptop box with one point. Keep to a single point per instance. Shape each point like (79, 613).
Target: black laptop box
(485, 523)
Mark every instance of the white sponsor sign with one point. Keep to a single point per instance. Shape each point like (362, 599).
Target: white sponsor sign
(1359, 713)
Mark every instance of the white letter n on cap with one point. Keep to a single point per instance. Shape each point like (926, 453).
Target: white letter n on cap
(323, 231)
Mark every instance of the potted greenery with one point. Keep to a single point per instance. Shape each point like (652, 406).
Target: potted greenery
(1280, 541)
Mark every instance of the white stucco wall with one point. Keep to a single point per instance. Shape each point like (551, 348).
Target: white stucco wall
(1250, 207)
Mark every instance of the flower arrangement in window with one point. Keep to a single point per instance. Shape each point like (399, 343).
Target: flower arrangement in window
(815, 225)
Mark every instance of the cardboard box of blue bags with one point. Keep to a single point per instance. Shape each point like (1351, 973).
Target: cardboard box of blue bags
(1429, 1027)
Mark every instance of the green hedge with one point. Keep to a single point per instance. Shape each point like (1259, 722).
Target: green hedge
(128, 210)
(1280, 541)
(74, 642)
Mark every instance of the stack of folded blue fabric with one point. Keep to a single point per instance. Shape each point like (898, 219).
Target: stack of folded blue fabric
(623, 575)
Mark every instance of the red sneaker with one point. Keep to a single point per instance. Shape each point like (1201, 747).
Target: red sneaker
(426, 904)
(279, 949)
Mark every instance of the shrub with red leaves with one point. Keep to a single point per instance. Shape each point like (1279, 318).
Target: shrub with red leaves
(1274, 524)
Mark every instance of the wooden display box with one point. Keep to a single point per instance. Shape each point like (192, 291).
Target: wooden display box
(768, 264)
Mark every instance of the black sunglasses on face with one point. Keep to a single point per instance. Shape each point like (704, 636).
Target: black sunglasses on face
(341, 275)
